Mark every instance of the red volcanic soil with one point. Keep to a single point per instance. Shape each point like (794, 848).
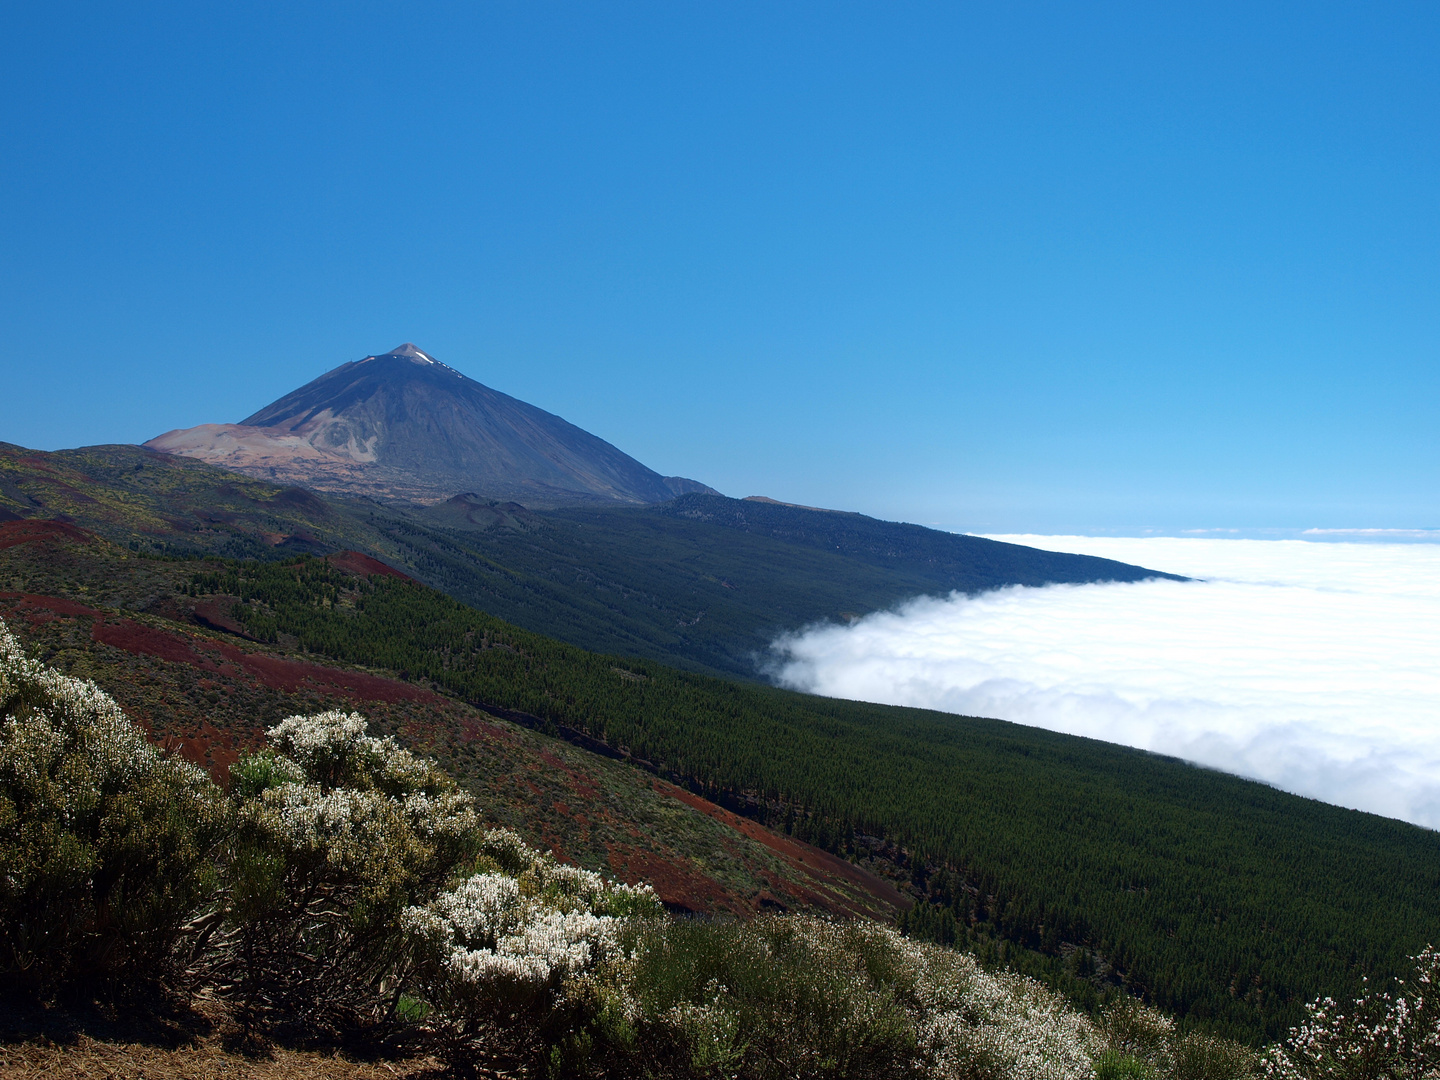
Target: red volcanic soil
(39, 610)
(217, 614)
(135, 638)
(14, 533)
(473, 729)
(677, 883)
(816, 864)
(357, 562)
(207, 746)
(272, 671)
(219, 656)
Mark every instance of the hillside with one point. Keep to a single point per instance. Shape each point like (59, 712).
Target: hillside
(702, 582)
(162, 503)
(1222, 900)
(342, 894)
(708, 582)
(180, 669)
(403, 426)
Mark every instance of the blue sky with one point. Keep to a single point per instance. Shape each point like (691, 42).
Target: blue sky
(1000, 267)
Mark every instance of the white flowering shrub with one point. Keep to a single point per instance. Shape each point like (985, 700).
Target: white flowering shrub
(338, 832)
(1394, 1033)
(106, 844)
(516, 943)
(796, 996)
(791, 996)
(997, 1024)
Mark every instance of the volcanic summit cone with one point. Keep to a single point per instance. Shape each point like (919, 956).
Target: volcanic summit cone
(405, 426)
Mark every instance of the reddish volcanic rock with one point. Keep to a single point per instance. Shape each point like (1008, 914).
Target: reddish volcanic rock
(28, 530)
(819, 865)
(30, 604)
(208, 654)
(357, 562)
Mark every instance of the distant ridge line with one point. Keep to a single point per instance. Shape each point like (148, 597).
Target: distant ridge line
(793, 506)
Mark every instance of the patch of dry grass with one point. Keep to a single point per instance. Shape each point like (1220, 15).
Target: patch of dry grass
(200, 1044)
(94, 1060)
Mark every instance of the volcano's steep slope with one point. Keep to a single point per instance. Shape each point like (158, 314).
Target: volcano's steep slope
(403, 425)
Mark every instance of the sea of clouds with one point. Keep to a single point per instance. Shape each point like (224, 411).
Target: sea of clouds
(1314, 666)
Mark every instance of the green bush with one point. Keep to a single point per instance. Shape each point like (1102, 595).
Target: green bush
(337, 833)
(106, 844)
(1117, 1065)
(1142, 1043)
(1206, 1057)
(1136, 1037)
(510, 960)
(776, 997)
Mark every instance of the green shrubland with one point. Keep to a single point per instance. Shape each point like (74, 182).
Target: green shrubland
(343, 887)
(1222, 901)
(107, 847)
(336, 833)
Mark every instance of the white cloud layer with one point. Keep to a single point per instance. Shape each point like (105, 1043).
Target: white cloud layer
(1313, 666)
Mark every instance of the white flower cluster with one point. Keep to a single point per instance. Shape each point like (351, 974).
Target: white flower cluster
(346, 828)
(1014, 1025)
(51, 722)
(526, 929)
(488, 931)
(334, 745)
(1018, 1027)
(565, 887)
(353, 795)
(306, 738)
(1392, 1033)
(552, 946)
(450, 815)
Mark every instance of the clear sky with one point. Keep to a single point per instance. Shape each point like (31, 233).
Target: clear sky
(1000, 267)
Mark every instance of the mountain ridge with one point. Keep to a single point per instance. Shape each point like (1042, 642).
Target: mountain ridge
(702, 582)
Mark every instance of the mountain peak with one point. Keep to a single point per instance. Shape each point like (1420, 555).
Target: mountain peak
(411, 352)
(385, 428)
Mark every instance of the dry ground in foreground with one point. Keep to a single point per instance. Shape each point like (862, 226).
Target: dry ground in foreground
(201, 1044)
(93, 1060)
